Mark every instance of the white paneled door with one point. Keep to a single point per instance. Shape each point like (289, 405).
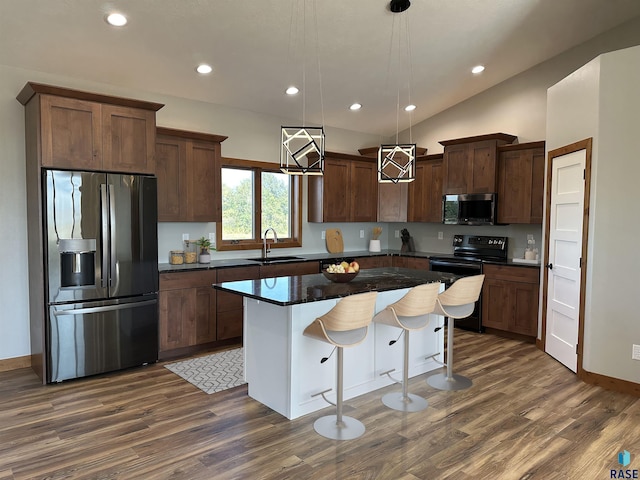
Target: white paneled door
(566, 212)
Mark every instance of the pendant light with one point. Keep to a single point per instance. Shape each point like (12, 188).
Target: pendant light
(396, 162)
(302, 147)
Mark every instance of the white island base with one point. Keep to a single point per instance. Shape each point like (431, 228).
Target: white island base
(283, 369)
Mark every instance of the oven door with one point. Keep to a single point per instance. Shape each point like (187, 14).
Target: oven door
(462, 268)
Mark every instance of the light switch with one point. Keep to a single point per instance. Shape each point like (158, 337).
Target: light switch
(323, 235)
(361, 233)
(185, 236)
(397, 233)
(440, 236)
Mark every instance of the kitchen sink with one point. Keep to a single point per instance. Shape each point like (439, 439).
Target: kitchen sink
(274, 259)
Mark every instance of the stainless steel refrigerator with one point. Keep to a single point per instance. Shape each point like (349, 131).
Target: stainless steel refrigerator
(101, 270)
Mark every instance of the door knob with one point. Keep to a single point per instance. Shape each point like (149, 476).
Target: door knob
(549, 266)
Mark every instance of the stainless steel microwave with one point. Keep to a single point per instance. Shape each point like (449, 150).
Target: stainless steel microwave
(469, 209)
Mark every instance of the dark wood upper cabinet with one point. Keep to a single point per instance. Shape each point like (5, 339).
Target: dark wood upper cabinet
(87, 131)
(393, 198)
(347, 192)
(521, 182)
(425, 193)
(188, 171)
(470, 163)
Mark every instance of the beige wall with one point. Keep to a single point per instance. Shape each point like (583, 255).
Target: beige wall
(602, 100)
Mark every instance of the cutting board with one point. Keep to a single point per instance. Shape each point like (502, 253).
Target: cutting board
(335, 243)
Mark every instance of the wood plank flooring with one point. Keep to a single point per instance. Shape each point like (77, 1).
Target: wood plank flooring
(526, 417)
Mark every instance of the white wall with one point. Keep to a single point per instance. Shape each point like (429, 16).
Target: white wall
(602, 100)
(517, 106)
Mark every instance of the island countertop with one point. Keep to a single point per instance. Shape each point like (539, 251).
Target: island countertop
(316, 287)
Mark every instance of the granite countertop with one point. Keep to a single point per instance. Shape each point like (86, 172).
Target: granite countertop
(316, 287)
(310, 257)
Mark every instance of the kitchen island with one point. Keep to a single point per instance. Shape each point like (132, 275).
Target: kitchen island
(283, 368)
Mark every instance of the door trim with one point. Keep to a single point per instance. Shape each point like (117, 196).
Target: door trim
(586, 145)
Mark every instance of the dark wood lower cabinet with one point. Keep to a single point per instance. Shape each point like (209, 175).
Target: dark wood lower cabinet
(229, 305)
(417, 263)
(374, 262)
(510, 299)
(187, 315)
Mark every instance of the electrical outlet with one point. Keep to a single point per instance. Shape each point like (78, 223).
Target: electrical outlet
(635, 353)
(397, 233)
(323, 235)
(361, 233)
(185, 236)
(212, 238)
(440, 236)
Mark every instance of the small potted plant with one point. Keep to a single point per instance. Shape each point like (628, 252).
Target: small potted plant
(205, 247)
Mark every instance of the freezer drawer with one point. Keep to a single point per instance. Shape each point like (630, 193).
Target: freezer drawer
(96, 337)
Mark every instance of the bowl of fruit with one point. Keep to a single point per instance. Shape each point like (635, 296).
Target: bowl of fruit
(341, 272)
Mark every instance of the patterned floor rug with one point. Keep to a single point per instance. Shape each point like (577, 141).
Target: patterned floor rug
(212, 373)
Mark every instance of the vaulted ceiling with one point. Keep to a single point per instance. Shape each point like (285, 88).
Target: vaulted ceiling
(257, 47)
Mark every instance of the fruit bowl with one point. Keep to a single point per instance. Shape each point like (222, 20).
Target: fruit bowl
(340, 277)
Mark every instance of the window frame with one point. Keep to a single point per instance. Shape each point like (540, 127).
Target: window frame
(295, 210)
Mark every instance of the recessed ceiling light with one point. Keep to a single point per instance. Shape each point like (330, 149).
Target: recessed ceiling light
(204, 68)
(116, 19)
(477, 69)
(410, 108)
(355, 106)
(291, 90)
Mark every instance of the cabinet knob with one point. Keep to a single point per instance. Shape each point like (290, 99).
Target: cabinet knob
(549, 266)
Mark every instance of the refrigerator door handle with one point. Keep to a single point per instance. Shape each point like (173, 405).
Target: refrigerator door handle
(104, 226)
(109, 308)
(113, 274)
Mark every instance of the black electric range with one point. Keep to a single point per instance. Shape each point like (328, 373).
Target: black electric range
(469, 254)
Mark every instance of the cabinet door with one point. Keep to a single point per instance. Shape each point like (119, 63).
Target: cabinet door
(335, 191)
(170, 161)
(496, 311)
(176, 318)
(457, 168)
(393, 202)
(521, 186)
(524, 298)
(363, 191)
(71, 133)
(537, 185)
(483, 167)
(514, 187)
(129, 136)
(205, 315)
(203, 191)
(425, 193)
(229, 305)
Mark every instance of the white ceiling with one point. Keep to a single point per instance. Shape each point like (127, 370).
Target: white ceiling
(256, 49)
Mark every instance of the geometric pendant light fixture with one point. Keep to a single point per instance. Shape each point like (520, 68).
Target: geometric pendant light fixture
(396, 162)
(302, 147)
(302, 151)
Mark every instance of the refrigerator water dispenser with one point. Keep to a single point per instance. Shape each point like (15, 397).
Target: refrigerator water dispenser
(77, 262)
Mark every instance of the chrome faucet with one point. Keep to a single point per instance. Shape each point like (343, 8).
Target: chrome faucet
(265, 250)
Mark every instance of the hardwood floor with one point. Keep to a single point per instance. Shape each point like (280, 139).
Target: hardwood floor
(525, 417)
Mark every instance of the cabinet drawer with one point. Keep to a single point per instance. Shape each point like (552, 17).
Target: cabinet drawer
(288, 269)
(177, 280)
(510, 273)
(240, 273)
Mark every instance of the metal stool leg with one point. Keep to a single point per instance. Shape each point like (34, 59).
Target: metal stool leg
(449, 381)
(339, 427)
(405, 402)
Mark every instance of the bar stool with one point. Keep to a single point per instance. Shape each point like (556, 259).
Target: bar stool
(457, 301)
(345, 325)
(411, 312)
